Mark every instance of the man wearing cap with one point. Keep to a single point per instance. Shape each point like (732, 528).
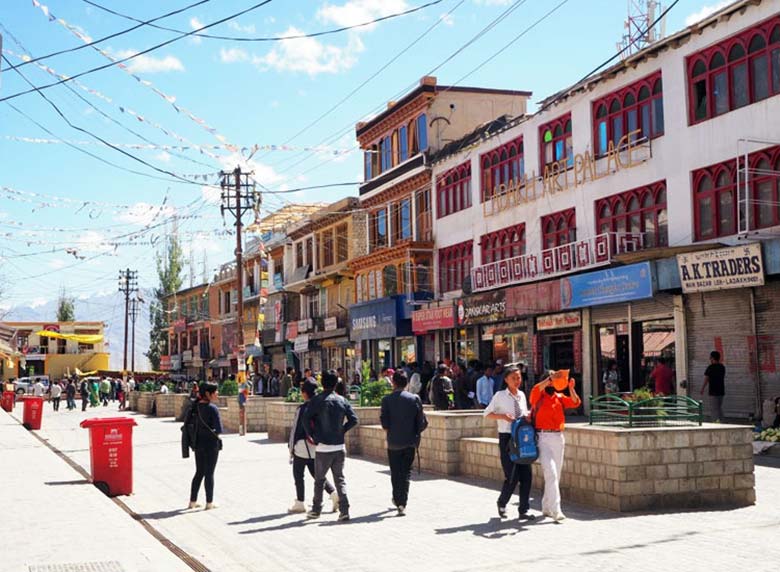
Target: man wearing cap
(547, 405)
(506, 406)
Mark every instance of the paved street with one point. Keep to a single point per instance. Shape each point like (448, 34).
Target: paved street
(451, 525)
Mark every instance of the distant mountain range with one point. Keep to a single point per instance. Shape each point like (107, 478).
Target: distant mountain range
(107, 308)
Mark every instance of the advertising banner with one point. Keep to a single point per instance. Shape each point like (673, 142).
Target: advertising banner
(429, 319)
(721, 269)
(373, 320)
(622, 284)
(482, 308)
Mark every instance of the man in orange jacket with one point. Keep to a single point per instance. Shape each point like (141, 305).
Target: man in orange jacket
(547, 406)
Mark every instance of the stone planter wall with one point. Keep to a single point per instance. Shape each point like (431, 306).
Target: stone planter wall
(132, 400)
(256, 414)
(166, 404)
(641, 469)
(145, 402)
(181, 404)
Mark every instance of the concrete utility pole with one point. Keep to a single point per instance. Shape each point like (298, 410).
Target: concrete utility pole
(128, 283)
(134, 309)
(238, 196)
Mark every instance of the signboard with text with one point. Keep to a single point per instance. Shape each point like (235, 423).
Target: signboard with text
(331, 324)
(429, 319)
(482, 308)
(721, 269)
(301, 343)
(559, 321)
(622, 284)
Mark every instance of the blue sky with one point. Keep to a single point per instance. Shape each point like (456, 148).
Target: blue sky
(248, 93)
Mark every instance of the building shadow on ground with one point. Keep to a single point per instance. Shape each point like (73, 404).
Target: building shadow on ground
(160, 515)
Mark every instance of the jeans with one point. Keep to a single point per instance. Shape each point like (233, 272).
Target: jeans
(55, 402)
(716, 407)
(205, 463)
(334, 462)
(71, 403)
(514, 474)
(401, 461)
(84, 402)
(551, 447)
(104, 398)
(299, 466)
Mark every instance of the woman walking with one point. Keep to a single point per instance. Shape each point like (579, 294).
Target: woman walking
(208, 426)
(302, 454)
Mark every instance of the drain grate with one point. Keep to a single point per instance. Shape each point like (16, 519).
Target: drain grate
(106, 566)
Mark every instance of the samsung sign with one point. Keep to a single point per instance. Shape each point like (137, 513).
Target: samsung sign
(373, 320)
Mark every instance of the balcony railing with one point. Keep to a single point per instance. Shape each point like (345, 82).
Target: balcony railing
(573, 257)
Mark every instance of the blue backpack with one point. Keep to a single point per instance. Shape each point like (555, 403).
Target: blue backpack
(523, 449)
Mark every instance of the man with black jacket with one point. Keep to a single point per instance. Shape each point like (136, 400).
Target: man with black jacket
(326, 420)
(404, 421)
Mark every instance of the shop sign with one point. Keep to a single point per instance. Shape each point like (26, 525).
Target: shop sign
(558, 321)
(186, 355)
(278, 321)
(165, 363)
(721, 269)
(482, 308)
(331, 324)
(175, 363)
(301, 343)
(373, 320)
(305, 325)
(533, 298)
(442, 318)
(623, 284)
(292, 331)
(179, 325)
(51, 327)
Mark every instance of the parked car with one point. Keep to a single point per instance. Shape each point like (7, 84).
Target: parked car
(24, 384)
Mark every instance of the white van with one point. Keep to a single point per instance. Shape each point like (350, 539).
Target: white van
(25, 384)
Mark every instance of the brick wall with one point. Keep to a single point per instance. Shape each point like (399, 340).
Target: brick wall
(256, 414)
(145, 402)
(169, 404)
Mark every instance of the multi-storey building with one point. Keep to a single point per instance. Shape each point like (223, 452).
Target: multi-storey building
(644, 170)
(189, 333)
(34, 354)
(397, 269)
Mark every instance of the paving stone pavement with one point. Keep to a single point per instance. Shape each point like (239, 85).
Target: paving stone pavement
(451, 524)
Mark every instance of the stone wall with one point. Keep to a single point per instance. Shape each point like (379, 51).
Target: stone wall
(181, 406)
(145, 402)
(132, 400)
(169, 404)
(256, 414)
(641, 469)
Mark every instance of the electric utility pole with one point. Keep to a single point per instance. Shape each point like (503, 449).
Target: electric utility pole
(134, 309)
(128, 283)
(238, 196)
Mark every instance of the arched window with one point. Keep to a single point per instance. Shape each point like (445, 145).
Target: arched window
(455, 264)
(559, 229)
(451, 186)
(638, 211)
(503, 244)
(505, 166)
(556, 142)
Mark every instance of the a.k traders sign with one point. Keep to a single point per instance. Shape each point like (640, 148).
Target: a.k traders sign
(721, 269)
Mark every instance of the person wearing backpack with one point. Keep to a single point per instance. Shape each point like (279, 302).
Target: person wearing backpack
(205, 441)
(440, 389)
(505, 407)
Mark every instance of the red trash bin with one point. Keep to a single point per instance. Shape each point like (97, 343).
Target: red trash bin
(111, 454)
(8, 401)
(33, 411)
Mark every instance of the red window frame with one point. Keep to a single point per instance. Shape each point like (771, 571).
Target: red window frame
(453, 190)
(635, 106)
(640, 210)
(716, 187)
(503, 244)
(455, 264)
(559, 143)
(726, 63)
(559, 228)
(502, 166)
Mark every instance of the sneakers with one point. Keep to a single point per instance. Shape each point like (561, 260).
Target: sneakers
(211, 506)
(560, 517)
(401, 510)
(343, 517)
(296, 507)
(501, 511)
(193, 504)
(334, 499)
(312, 514)
(526, 516)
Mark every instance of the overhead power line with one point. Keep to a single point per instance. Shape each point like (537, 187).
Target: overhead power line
(110, 36)
(274, 38)
(141, 53)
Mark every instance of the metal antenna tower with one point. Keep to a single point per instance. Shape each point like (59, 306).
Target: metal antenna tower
(638, 32)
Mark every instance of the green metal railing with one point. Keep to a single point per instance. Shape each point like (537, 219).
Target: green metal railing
(670, 411)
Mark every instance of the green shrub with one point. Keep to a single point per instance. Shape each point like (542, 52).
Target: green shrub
(228, 388)
(293, 396)
(372, 393)
(146, 386)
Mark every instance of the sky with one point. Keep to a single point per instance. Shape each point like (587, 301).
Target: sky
(68, 219)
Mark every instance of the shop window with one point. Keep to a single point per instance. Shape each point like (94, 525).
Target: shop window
(716, 207)
(558, 229)
(556, 143)
(636, 106)
(453, 190)
(503, 244)
(505, 166)
(735, 72)
(455, 264)
(641, 210)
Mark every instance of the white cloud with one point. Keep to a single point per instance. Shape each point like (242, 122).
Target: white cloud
(163, 156)
(144, 213)
(38, 301)
(232, 55)
(705, 11)
(195, 24)
(275, 104)
(360, 11)
(150, 64)
(448, 19)
(233, 25)
(309, 55)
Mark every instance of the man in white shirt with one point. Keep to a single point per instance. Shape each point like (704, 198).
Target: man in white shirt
(506, 406)
(55, 392)
(38, 389)
(163, 388)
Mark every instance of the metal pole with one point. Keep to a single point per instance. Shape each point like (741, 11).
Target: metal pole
(127, 311)
(239, 266)
(134, 305)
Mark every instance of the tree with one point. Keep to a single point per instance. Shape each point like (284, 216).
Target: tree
(66, 307)
(170, 263)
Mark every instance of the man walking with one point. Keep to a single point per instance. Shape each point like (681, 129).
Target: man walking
(441, 389)
(504, 407)
(55, 392)
(403, 420)
(70, 395)
(548, 407)
(485, 387)
(714, 380)
(326, 420)
(84, 392)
